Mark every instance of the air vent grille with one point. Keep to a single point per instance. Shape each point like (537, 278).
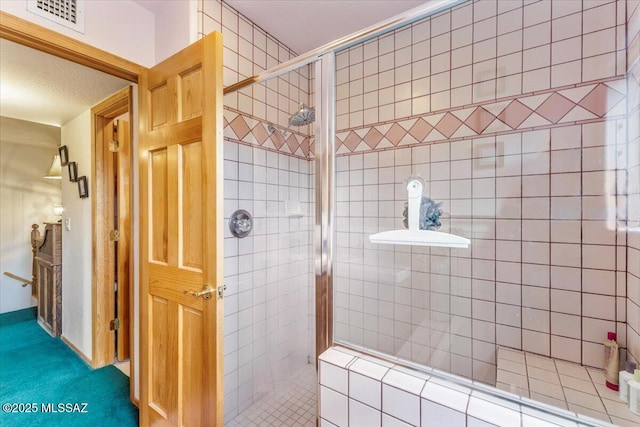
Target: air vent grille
(64, 9)
(66, 12)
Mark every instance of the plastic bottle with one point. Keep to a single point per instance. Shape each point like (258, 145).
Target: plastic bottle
(634, 393)
(611, 361)
(624, 378)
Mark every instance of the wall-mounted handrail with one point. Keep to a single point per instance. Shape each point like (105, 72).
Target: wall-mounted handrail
(25, 282)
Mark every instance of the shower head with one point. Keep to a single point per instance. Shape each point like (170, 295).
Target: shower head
(304, 116)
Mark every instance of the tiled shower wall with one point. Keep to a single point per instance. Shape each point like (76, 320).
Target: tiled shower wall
(268, 274)
(269, 304)
(248, 50)
(633, 203)
(515, 114)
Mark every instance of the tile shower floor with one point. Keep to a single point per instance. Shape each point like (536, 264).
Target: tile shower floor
(562, 384)
(292, 403)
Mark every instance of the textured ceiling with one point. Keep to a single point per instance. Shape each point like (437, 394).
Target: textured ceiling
(42, 88)
(303, 25)
(21, 132)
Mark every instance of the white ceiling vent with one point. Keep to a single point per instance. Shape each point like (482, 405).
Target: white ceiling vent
(69, 13)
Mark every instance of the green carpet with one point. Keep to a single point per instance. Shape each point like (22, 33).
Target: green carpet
(38, 370)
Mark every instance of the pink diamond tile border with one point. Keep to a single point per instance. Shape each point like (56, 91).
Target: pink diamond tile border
(373, 137)
(395, 134)
(528, 111)
(555, 107)
(448, 125)
(601, 99)
(479, 120)
(260, 133)
(237, 128)
(351, 141)
(552, 109)
(515, 114)
(420, 130)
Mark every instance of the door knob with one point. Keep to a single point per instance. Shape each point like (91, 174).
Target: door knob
(204, 293)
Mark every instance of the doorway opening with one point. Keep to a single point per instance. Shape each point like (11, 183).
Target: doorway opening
(112, 231)
(101, 310)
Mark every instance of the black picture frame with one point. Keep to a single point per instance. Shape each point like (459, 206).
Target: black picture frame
(64, 155)
(73, 172)
(83, 187)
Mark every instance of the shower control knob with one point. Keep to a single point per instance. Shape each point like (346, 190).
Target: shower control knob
(241, 223)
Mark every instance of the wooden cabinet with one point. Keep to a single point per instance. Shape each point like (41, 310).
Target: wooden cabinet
(48, 261)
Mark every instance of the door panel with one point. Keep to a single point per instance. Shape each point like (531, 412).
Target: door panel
(181, 238)
(162, 380)
(191, 207)
(159, 206)
(191, 102)
(159, 97)
(192, 387)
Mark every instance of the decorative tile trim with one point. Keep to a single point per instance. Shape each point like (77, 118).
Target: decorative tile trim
(245, 129)
(573, 105)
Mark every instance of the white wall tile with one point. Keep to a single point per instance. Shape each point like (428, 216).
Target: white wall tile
(362, 415)
(388, 421)
(366, 390)
(400, 404)
(404, 381)
(475, 422)
(333, 377)
(454, 399)
(492, 413)
(325, 423)
(434, 415)
(333, 407)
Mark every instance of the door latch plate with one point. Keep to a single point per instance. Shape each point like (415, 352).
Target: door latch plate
(221, 290)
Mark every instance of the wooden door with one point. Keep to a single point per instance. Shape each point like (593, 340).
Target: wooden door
(123, 180)
(181, 237)
(112, 239)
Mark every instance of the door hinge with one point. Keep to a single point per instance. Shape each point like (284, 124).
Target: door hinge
(114, 235)
(114, 325)
(114, 146)
(221, 290)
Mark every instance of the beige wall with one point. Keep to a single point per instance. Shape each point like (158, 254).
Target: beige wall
(110, 26)
(76, 246)
(27, 199)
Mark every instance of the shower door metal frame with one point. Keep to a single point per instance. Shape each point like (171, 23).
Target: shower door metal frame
(324, 193)
(323, 60)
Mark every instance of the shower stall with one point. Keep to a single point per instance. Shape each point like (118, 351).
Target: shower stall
(522, 121)
(269, 308)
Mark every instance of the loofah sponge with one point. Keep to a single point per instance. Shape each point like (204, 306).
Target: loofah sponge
(429, 214)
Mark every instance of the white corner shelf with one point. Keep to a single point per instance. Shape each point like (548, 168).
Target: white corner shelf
(420, 238)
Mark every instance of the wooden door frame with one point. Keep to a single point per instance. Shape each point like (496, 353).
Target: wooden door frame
(103, 305)
(34, 36)
(26, 33)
